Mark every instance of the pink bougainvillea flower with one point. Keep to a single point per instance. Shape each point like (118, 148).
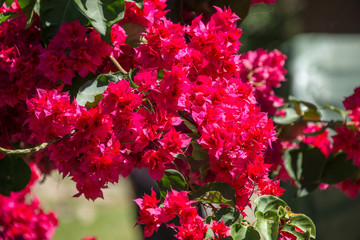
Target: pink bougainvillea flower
(353, 103)
(347, 140)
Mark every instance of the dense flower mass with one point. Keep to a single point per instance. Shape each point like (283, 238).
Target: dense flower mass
(202, 82)
(190, 103)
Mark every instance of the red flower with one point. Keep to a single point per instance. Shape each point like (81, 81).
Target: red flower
(56, 66)
(220, 229)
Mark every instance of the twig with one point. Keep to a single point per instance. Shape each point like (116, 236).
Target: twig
(116, 63)
(36, 148)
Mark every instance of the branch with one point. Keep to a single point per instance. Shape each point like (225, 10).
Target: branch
(115, 62)
(36, 148)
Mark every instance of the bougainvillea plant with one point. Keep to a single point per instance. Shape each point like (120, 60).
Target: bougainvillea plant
(94, 89)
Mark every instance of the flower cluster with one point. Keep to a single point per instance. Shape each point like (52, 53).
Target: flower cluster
(22, 218)
(19, 55)
(265, 71)
(177, 204)
(20, 48)
(73, 49)
(193, 100)
(145, 127)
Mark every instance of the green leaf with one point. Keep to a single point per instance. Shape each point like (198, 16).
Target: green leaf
(28, 8)
(8, 15)
(198, 153)
(312, 167)
(102, 14)
(290, 117)
(296, 104)
(305, 166)
(190, 126)
(215, 192)
(8, 2)
(291, 229)
(309, 105)
(312, 115)
(88, 94)
(132, 74)
(203, 165)
(337, 169)
(336, 110)
(14, 174)
(139, 3)
(228, 215)
(304, 223)
(282, 212)
(240, 232)
(53, 13)
(293, 161)
(209, 234)
(267, 203)
(172, 179)
(267, 224)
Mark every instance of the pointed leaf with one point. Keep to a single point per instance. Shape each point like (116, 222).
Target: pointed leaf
(293, 162)
(215, 192)
(312, 115)
(336, 110)
(268, 224)
(27, 6)
(228, 215)
(299, 235)
(305, 166)
(338, 168)
(8, 15)
(198, 152)
(172, 179)
(53, 13)
(190, 126)
(242, 232)
(88, 94)
(8, 2)
(290, 117)
(312, 166)
(304, 223)
(309, 105)
(102, 14)
(139, 3)
(209, 234)
(266, 203)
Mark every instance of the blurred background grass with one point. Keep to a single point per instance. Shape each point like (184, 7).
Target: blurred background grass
(111, 218)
